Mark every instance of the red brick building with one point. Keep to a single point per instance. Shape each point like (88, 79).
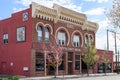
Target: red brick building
(23, 34)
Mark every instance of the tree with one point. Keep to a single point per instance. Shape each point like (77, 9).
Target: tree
(105, 60)
(55, 54)
(89, 56)
(114, 14)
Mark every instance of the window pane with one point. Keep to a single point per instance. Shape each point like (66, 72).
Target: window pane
(76, 40)
(86, 39)
(46, 35)
(5, 38)
(61, 67)
(62, 38)
(77, 65)
(39, 62)
(39, 33)
(21, 34)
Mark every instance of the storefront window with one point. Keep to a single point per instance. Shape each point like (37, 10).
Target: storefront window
(100, 67)
(61, 67)
(39, 62)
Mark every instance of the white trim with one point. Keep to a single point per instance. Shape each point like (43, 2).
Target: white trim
(40, 24)
(51, 29)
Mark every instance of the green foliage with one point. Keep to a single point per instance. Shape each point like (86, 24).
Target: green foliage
(89, 56)
(10, 78)
(104, 58)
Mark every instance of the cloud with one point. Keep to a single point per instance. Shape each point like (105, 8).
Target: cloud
(103, 24)
(99, 1)
(49, 3)
(96, 11)
(17, 9)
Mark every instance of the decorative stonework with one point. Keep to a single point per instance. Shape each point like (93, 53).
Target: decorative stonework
(61, 13)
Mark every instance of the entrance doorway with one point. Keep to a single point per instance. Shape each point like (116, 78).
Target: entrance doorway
(84, 67)
(69, 67)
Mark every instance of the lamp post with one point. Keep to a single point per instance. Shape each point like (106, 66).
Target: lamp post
(115, 44)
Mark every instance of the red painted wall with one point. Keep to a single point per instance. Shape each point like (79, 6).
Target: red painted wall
(15, 55)
(100, 54)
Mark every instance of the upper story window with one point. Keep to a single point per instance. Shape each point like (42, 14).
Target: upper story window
(91, 39)
(61, 38)
(76, 40)
(20, 34)
(5, 38)
(86, 39)
(46, 34)
(39, 30)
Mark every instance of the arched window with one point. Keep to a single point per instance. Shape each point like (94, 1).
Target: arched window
(91, 39)
(86, 39)
(47, 34)
(61, 38)
(76, 40)
(39, 29)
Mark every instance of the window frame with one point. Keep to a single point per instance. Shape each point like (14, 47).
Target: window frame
(40, 65)
(24, 34)
(41, 37)
(76, 43)
(47, 36)
(60, 37)
(5, 39)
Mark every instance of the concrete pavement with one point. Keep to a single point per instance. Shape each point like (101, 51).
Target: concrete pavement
(109, 76)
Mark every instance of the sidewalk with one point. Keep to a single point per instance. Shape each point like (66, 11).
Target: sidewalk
(65, 76)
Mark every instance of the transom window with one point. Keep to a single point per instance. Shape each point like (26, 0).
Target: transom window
(61, 38)
(39, 29)
(5, 38)
(46, 34)
(76, 40)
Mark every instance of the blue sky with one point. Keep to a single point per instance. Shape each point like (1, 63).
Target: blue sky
(94, 9)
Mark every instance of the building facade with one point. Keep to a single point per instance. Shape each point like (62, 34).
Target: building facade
(23, 35)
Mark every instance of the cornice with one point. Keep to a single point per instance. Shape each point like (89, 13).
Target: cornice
(61, 13)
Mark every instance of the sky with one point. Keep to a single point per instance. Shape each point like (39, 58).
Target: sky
(94, 10)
